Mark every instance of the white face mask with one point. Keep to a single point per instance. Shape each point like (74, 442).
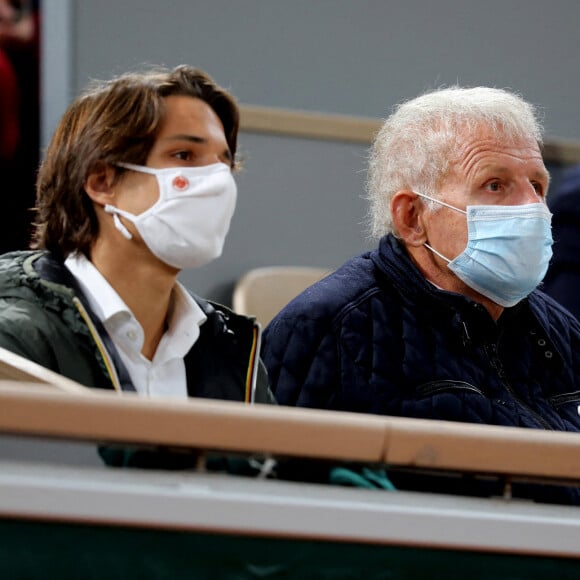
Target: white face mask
(188, 224)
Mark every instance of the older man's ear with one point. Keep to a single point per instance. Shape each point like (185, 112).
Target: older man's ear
(407, 215)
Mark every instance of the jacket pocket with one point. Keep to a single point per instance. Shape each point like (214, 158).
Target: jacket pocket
(558, 401)
(445, 386)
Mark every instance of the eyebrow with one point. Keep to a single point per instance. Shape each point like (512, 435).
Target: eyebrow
(543, 175)
(192, 138)
(198, 140)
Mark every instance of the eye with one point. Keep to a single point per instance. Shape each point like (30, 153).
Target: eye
(494, 186)
(183, 155)
(539, 188)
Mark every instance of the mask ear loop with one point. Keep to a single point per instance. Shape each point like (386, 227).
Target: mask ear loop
(437, 253)
(446, 205)
(440, 202)
(118, 223)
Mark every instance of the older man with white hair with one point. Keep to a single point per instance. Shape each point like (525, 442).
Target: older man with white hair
(444, 319)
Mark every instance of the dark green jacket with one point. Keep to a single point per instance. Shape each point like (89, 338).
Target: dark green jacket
(45, 318)
(42, 318)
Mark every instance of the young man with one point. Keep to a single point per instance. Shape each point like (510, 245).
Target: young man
(442, 320)
(136, 185)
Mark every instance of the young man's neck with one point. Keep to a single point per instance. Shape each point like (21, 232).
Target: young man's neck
(145, 284)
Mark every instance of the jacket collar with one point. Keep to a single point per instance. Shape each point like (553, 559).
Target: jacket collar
(469, 318)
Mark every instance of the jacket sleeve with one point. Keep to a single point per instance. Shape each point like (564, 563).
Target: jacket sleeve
(27, 333)
(303, 362)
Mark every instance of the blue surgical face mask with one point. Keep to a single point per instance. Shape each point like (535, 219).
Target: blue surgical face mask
(508, 249)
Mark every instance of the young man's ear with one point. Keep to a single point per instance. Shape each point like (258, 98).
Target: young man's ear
(99, 183)
(407, 216)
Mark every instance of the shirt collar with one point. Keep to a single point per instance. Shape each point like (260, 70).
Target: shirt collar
(102, 297)
(184, 320)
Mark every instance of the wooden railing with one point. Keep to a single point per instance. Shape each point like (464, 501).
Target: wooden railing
(357, 129)
(36, 402)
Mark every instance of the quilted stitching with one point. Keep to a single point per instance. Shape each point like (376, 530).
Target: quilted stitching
(415, 337)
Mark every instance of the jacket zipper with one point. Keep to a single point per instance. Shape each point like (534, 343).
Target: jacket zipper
(100, 346)
(498, 367)
(252, 374)
(446, 386)
(559, 400)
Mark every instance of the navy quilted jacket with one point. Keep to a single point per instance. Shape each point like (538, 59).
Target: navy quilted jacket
(562, 281)
(376, 337)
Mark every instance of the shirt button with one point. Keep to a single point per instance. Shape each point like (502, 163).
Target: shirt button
(541, 342)
(548, 354)
(132, 335)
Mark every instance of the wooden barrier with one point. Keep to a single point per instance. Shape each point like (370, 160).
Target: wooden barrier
(357, 129)
(32, 409)
(56, 518)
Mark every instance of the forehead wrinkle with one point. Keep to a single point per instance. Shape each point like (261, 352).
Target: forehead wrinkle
(472, 154)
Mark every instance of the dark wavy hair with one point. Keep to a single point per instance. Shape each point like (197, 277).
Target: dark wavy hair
(112, 121)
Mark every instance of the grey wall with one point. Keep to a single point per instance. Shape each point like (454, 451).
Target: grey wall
(300, 201)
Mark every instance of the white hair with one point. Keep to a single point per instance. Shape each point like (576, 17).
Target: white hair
(414, 147)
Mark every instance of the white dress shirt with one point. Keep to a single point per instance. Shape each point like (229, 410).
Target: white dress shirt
(164, 376)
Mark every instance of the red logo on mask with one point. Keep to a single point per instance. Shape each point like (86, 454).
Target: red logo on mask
(180, 183)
